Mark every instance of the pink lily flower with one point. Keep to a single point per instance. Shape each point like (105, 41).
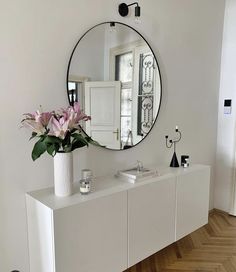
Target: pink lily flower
(80, 115)
(43, 117)
(36, 127)
(58, 128)
(29, 116)
(74, 115)
(37, 121)
(61, 124)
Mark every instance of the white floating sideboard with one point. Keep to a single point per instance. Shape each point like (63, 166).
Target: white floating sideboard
(118, 224)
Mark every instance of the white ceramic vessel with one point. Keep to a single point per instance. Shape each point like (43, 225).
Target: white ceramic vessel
(63, 174)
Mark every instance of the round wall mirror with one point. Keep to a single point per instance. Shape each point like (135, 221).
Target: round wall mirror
(114, 75)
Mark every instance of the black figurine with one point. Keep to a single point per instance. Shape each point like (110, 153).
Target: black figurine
(174, 161)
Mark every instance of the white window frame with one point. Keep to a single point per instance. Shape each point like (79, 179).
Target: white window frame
(137, 47)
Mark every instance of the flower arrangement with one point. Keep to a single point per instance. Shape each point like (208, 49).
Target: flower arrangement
(58, 131)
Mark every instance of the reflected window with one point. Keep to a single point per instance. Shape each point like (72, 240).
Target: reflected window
(135, 67)
(126, 116)
(126, 102)
(124, 67)
(124, 73)
(146, 93)
(73, 92)
(76, 92)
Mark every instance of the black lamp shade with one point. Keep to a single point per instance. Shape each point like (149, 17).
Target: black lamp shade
(137, 11)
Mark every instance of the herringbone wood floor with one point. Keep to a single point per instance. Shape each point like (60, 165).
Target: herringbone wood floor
(211, 248)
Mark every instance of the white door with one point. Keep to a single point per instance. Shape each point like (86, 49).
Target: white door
(102, 103)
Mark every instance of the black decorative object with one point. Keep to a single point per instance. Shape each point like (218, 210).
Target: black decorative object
(112, 24)
(174, 161)
(183, 159)
(124, 9)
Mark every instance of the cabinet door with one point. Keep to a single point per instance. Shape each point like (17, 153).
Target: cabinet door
(192, 201)
(92, 236)
(151, 218)
(40, 225)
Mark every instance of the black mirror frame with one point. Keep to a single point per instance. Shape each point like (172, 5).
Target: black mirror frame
(158, 67)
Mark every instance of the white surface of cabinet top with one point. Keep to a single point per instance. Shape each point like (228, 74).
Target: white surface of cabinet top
(104, 186)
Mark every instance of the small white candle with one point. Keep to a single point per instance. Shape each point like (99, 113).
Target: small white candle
(176, 127)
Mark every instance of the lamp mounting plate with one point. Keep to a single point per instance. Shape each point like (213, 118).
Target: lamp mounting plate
(123, 9)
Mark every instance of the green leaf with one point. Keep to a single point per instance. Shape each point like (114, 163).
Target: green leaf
(78, 141)
(74, 130)
(52, 140)
(52, 144)
(91, 141)
(38, 149)
(52, 149)
(77, 144)
(68, 148)
(34, 134)
(66, 141)
(78, 137)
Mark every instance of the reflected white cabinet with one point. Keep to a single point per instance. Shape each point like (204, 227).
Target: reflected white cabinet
(118, 224)
(192, 191)
(86, 237)
(151, 218)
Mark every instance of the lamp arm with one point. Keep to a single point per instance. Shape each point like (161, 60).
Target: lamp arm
(135, 3)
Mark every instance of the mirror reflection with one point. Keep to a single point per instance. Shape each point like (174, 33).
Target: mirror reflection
(114, 75)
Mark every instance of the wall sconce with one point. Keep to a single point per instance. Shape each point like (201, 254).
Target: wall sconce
(124, 9)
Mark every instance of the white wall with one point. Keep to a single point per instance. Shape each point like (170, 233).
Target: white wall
(226, 123)
(91, 56)
(36, 42)
(122, 35)
(88, 58)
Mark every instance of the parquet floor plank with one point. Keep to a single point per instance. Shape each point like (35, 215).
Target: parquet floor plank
(212, 248)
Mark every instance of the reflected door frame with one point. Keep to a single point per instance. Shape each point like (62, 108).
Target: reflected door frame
(81, 91)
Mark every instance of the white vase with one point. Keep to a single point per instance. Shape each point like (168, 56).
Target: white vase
(63, 174)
